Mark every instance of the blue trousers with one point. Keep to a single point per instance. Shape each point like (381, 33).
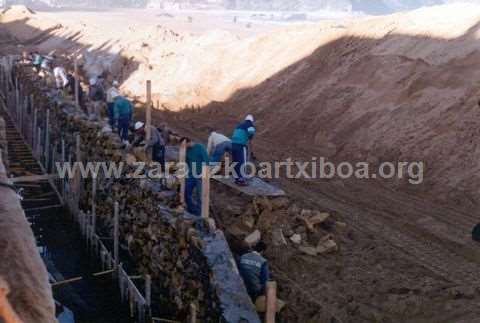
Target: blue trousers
(220, 150)
(193, 206)
(110, 113)
(239, 155)
(158, 155)
(123, 124)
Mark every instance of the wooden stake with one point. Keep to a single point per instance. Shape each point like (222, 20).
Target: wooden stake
(148, 117)
(94, 195)
(47, 139)
(34, 113)
(116, 242)
(78, 180)
(182, 159)
(63, 163)
(205, 191)
(271, 293)
(193, 313)
(34, 127)
(39, 142)
(77, 83)
(148, 290)
(17, 98)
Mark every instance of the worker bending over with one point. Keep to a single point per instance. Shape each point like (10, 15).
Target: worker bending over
(254, 270)
(217, 145)
(196, 158)
(242, 135)
(157, 142)
(122, 116)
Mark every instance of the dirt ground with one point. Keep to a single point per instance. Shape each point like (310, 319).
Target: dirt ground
(396, 88)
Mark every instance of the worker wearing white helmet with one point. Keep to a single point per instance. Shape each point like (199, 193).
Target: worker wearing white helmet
(242, 135)
(112, 93)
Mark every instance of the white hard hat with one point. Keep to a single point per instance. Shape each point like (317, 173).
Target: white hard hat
(93, 81)
(139, 125)
(115, 83)
(249, 118)
(115, 94)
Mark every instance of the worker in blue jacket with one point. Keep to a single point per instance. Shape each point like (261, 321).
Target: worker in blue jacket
(122, 116)
(196, 157)
(241, 137)
(254, 270)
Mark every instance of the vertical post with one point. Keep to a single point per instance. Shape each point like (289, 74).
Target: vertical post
(32, 116)
(94, 195)
(23, 110)
(148, 117)
(271, 302)
(148, 290)
(193, 313)
(17, 99)
(47, 139)
(78, 180)
(182, 159)
(205, 191)
(39, 143)
(63, 163)
(77, 83)
(116, 244)
(34, 127)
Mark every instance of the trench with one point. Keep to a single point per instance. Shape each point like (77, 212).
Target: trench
(92, 300)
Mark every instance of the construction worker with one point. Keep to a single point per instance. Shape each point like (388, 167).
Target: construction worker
(46, 64)
(254, 270)
(196, 158)
(112, 92)
(242, 135)
(122, 115)
(96, 93)
(61, 78)
(217, 145)
(37, 61)
(156, 143)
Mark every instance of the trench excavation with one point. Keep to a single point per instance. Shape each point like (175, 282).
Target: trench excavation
(197, 277)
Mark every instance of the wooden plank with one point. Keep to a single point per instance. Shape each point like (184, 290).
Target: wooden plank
(256, 187)
(33, 178)
(271, 293)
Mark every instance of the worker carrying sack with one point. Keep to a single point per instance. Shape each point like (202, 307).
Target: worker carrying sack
(476, 233)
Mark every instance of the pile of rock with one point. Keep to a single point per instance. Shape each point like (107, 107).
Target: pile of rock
(278, 222)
